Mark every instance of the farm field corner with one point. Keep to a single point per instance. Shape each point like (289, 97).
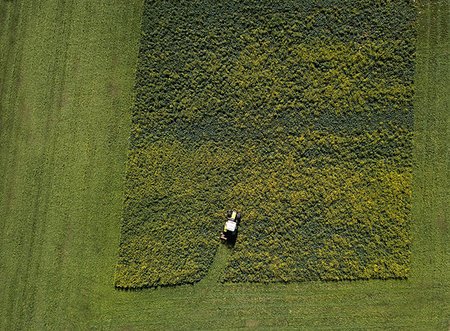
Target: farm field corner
(65, 97)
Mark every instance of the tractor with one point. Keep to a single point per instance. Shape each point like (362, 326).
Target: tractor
(230, 230)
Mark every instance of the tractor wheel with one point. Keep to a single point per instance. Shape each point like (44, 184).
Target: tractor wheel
(229, 214)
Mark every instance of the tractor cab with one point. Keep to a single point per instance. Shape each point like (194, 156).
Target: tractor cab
(230, 229)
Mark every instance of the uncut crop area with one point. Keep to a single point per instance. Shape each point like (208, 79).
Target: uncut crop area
(298, 114)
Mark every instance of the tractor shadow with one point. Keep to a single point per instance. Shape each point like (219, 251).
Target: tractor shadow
(231, 242)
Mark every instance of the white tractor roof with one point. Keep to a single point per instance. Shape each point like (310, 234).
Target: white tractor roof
(231, 226)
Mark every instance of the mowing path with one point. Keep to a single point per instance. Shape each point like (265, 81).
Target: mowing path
(223, 253)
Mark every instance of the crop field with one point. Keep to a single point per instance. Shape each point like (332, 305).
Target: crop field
(298, 114)
(68, 164)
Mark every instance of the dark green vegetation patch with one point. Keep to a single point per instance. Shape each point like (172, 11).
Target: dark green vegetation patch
(299, 114)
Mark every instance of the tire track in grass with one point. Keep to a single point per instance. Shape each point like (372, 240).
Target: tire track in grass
(77, 134)
(422, 78)
(23, 170)
(442, 149)
(37, 170)
(8, 39)
(431, 129)
(12, 49)
(428, 258)
(8, 99)
(11, 57)
(53, 308)
(44, 181)
(11, 123)
(438, 166)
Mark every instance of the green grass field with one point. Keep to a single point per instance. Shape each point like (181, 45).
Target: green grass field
(66, 78)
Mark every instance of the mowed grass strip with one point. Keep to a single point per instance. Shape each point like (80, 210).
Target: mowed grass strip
(65, 97)
(80, 293)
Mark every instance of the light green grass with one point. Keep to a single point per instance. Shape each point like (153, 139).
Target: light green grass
(66, 77)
